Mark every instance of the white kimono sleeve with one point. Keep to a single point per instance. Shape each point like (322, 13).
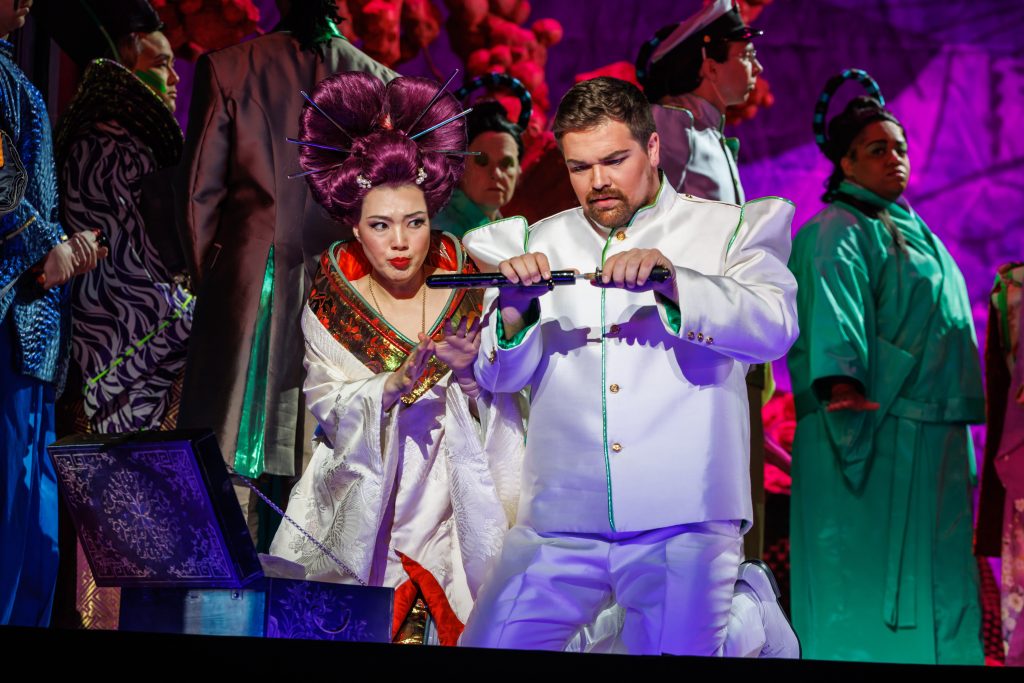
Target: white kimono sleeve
(484, 462)
(341, 498)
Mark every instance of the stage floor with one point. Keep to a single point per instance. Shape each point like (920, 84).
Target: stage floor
(143, 654)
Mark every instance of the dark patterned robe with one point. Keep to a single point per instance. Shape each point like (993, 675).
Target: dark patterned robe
(131, 315)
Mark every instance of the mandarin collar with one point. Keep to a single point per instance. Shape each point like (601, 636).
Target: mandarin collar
(864, 194)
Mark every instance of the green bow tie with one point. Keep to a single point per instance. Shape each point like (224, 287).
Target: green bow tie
(734, 146)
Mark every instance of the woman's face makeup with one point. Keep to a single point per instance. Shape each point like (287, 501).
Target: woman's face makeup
(394, 231)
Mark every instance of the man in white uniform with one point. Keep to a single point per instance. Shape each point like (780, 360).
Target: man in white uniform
(691, 72)
(633, 491)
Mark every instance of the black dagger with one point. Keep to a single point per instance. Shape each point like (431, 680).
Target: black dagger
(558, 277)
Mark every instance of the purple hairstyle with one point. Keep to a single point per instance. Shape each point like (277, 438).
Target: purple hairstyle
(375, 119)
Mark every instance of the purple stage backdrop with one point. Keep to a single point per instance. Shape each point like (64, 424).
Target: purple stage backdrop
(952, 70)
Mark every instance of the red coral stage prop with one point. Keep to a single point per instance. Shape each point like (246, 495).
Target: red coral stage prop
(197, 26)
(488, 37)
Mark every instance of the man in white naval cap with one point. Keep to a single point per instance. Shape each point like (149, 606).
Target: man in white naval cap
(635, 489)
(691, 72)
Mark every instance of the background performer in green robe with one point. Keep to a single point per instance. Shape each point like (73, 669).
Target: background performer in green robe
(886, 378)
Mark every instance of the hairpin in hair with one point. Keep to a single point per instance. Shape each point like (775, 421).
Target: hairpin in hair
(313, 171)
(454, 152)
(324, 114)
(421, 175)
(443, 123)
(309, 143)
(363, 182)
(432, 101)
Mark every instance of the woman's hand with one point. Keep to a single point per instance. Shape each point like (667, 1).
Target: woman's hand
(459, 346)
(458, 350)
(402, 380)
(846, 396)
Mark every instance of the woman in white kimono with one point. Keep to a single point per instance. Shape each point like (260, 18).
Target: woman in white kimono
(410, 456)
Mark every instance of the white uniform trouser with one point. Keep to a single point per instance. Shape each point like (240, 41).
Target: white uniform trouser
(674, 584)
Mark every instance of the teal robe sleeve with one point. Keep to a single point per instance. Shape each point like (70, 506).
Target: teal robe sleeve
(837, 319)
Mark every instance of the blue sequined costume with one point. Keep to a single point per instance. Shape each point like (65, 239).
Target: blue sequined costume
(33, 352)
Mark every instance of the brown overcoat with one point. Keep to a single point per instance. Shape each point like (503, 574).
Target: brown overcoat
(237, 203)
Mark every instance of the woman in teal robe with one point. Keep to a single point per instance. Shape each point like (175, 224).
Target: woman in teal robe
(491, 175)
(886, 378)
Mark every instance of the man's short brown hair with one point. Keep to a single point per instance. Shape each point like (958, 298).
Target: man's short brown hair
(590, 103)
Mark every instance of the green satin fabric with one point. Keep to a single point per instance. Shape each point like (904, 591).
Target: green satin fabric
(459, 216)
(733, 144)
(251, 448)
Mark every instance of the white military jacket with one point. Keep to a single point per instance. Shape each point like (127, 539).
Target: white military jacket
(638, 412)
(695, 154)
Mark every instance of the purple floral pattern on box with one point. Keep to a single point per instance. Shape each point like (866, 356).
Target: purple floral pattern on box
(144, 516)
(323, 611)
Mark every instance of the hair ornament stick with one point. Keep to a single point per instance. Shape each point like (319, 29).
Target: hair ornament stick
(309, 143)
(443, 123)
(324, 114)
(454, 152)
(432, 101)
(313, 171)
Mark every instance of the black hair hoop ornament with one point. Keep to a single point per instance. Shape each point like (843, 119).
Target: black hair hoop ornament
(821, 107)
(499, 80)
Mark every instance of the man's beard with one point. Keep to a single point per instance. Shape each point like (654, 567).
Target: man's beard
(615, 216)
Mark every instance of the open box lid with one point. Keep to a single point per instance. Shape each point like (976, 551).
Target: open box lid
(155, 509)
